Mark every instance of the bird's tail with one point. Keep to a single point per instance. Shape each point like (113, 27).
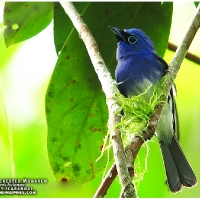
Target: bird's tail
(177, 168)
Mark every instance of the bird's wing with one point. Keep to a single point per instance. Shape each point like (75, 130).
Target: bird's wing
(171, 98)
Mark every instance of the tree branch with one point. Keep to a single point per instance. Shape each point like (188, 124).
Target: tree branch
(108, 88)
(107, 182)
(133, 148)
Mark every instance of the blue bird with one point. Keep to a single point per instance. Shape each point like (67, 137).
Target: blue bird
(138, 68)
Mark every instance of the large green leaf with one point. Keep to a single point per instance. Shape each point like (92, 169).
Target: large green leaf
(62, 24)
(25, 19)
(76, 115)
(75, 104)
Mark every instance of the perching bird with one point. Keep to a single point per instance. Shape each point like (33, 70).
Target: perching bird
(139, 67)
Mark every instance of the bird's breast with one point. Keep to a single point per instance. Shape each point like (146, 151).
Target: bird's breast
(138, 74)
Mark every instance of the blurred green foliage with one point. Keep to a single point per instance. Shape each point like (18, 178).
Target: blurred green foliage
(30, 137)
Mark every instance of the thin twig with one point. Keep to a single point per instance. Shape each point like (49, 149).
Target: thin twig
(107, 182)
(107, 86)
(190, 56)
(137, 142)
(185, 44)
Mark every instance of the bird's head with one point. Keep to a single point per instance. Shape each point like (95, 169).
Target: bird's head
(132, 42)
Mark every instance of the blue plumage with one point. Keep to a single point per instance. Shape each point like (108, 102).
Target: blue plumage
(139, 67)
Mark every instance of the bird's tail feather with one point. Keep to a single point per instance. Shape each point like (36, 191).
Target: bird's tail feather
(178, 170)
(186, 173)
(173, 179)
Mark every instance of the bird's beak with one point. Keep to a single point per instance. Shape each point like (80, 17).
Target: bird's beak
(118, 32)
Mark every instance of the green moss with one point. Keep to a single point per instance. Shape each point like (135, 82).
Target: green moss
(135, 114)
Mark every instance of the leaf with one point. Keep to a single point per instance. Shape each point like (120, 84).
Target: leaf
(196, 3)
(76, 109)
(62, 24)
(76, 116)
(25, 20)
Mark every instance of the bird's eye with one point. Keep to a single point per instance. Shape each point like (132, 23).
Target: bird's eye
(132, 39)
